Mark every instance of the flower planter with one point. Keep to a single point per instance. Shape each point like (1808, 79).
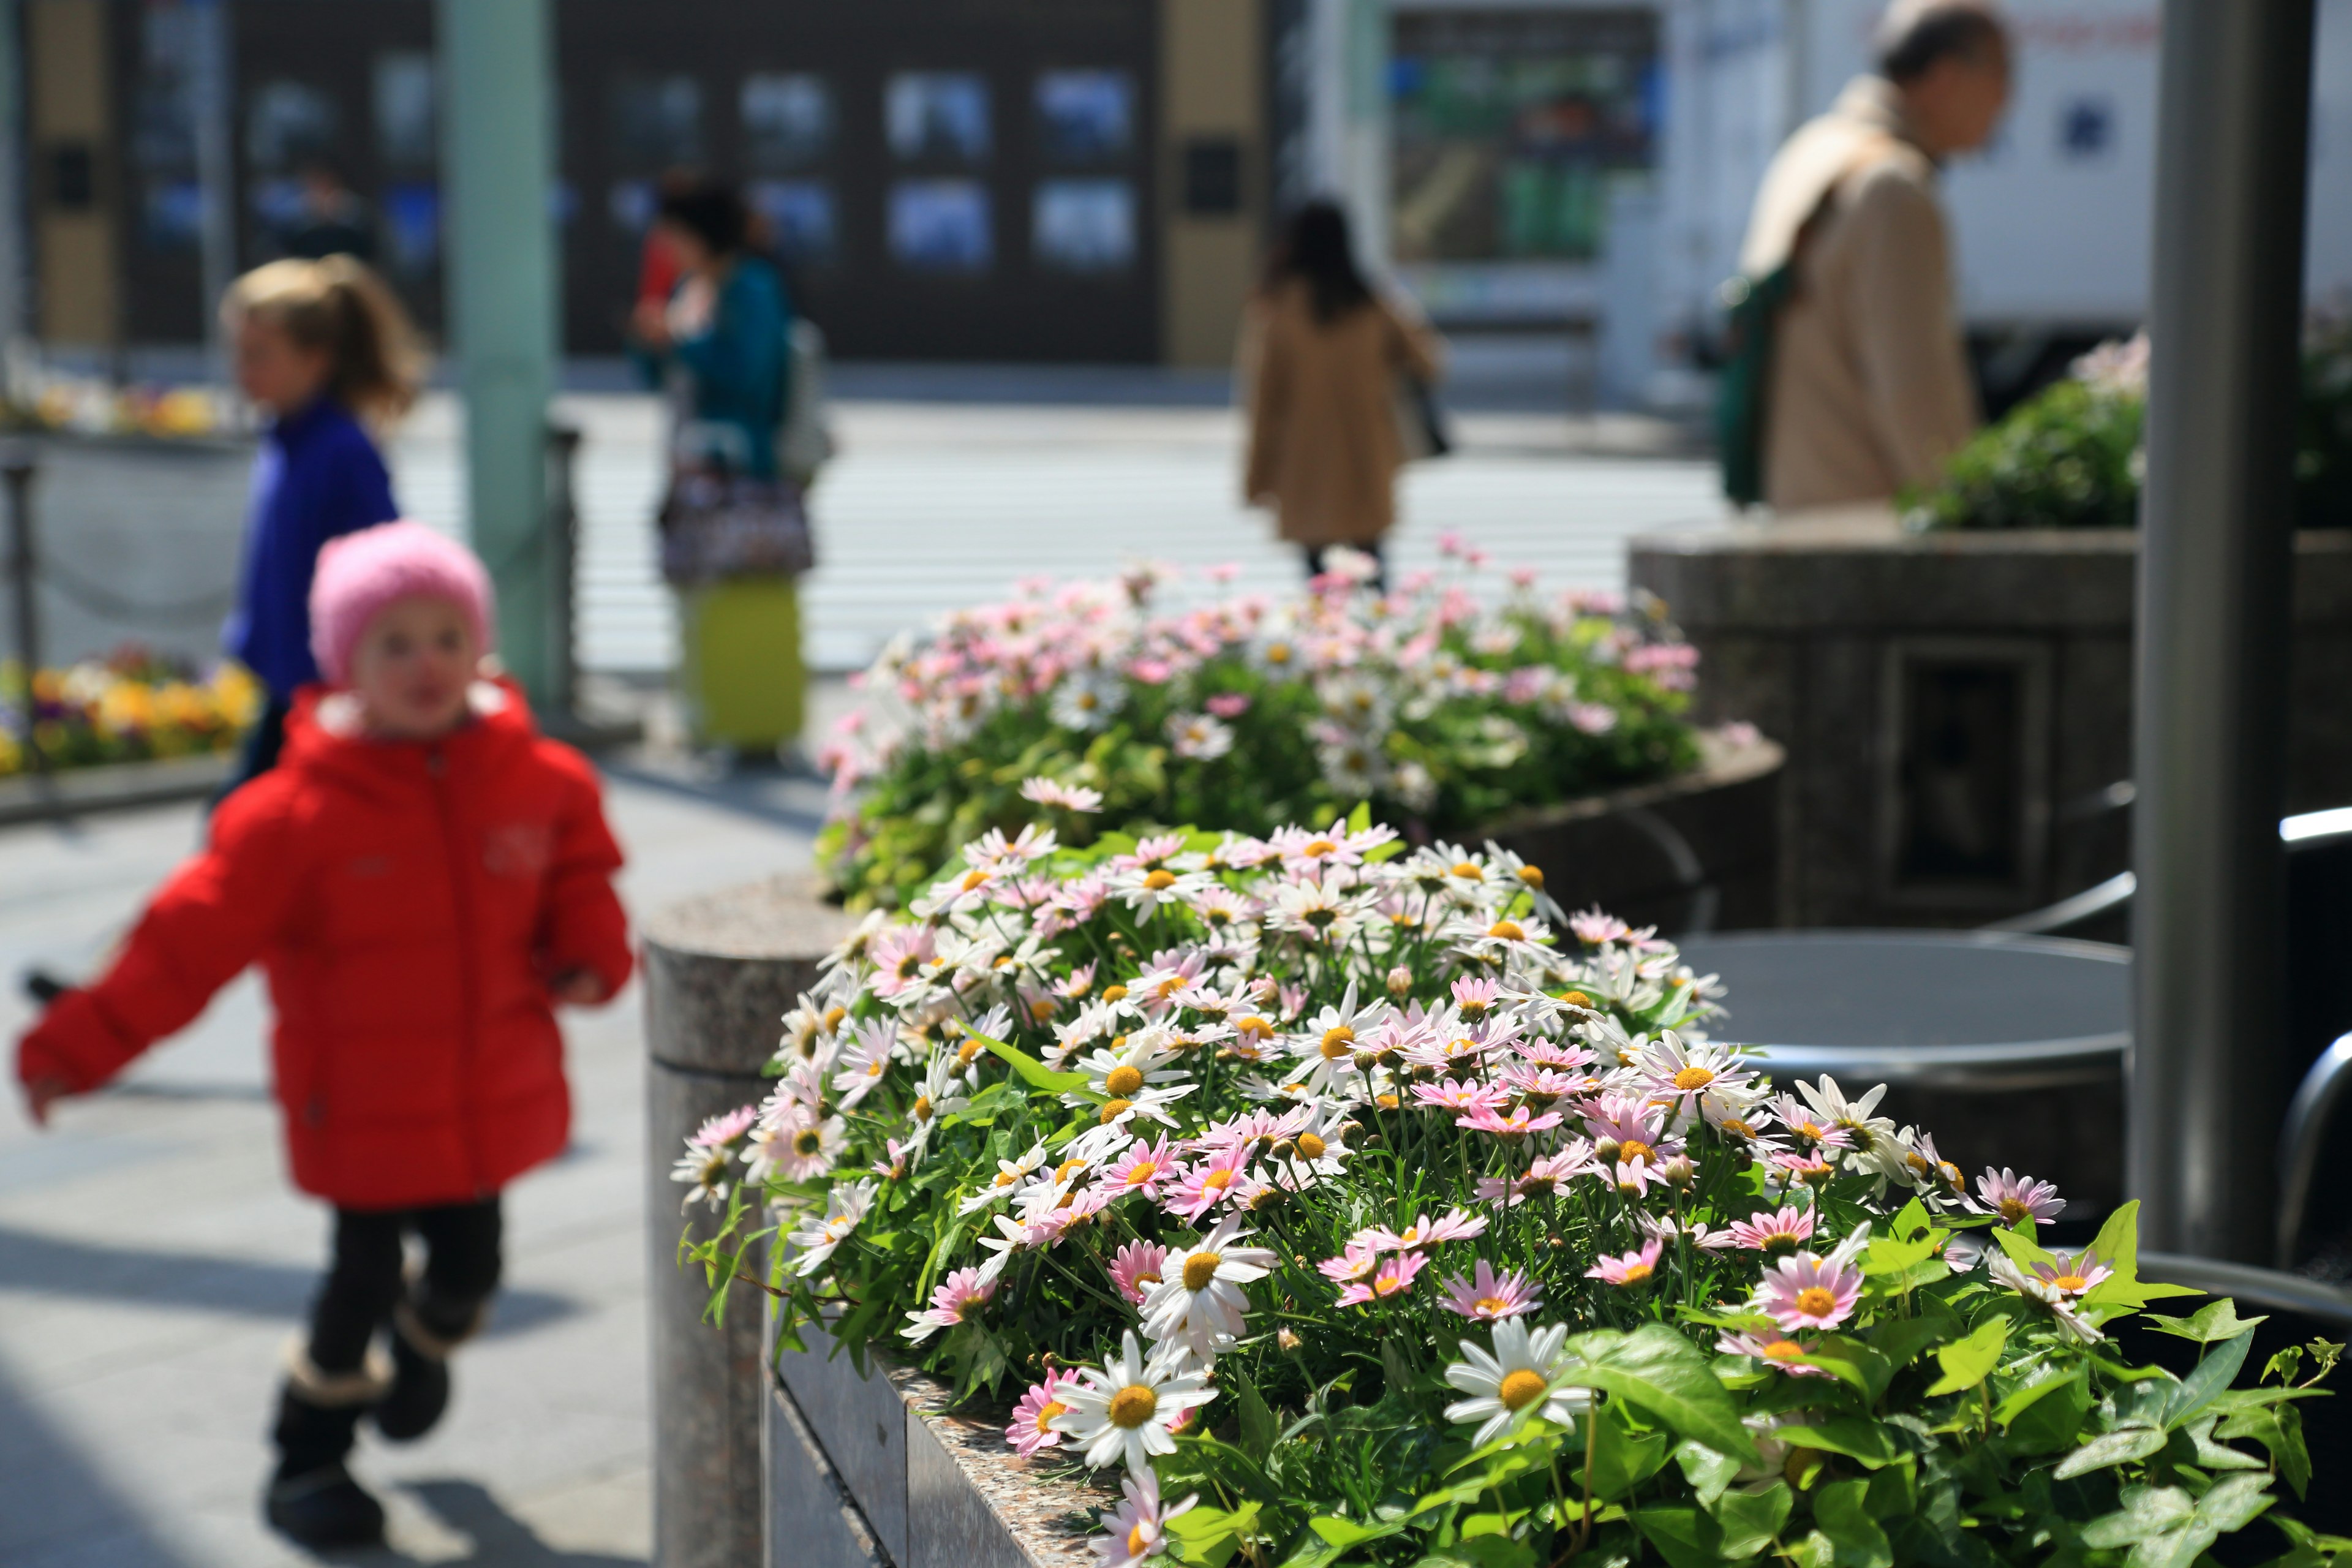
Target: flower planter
(1696, 852)
(862, 1471)
(120, 786)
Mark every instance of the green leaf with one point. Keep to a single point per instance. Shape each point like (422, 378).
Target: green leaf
(2208, 1325)
(2279, 1429)
(1900, 1340)
(1034, 1073)
(2054, 1419)
(1841, 1512)
(2117, 1447)
(1886, 1255)
(1621, 1459)
(2118, 1248)
(2206, 1381)
(1258, 1428)
(1750, 1521)
(1344, 1533)
(1361, 817)
(1208, 1537)
(2146, 1512)
(1855, 1436)
(1707, 1471)
(1685, 1537)
(1659, 1371)
(1972, 1360)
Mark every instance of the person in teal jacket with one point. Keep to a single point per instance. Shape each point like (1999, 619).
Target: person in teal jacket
(720, 345)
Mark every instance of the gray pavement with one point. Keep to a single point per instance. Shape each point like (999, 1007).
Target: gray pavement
(153, 1260)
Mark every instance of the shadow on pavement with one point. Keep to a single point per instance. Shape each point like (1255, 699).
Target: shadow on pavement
(38, 1265)
(500, 1539)
(57, 1510)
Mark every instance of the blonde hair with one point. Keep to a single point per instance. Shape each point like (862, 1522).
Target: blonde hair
(338, 306)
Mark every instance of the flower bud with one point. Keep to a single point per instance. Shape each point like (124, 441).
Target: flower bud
(1679, 1172)
(1400, 982)
(1606, 1150)
(1289, 1340)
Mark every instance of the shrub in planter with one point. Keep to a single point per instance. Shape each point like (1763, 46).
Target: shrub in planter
(1352, 1201)
(2071, 456)
(133, 706)
(1439, 706)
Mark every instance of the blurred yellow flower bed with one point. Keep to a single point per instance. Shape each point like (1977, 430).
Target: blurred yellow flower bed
(131, 707)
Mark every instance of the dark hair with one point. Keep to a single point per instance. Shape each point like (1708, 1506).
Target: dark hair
(709, 211)
(1915, 35)
(1315, 249)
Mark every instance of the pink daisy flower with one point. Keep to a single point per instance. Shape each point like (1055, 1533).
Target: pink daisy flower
(1488, 1296)
(1395, 1279)
(1136, 1268)
(725, 1129)
(1145, 1168)
(1518, 1124)
(2016, 1199)
(1461, 1095)
(1805, 1292)
(1458, 1225)
(2071, 1279)
(1032, 1426)
(1357, 1260)
(1785, 1231)
(1207, 1183)
(1772, 1348)
(1543, 1177)
(1632, 1268)
(950, 1301)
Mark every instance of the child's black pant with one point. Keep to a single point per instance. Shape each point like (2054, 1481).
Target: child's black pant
(368, 1276)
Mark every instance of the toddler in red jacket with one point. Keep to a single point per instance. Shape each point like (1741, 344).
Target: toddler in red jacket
(423, 879)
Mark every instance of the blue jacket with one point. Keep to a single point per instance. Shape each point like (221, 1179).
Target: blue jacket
(737, 367)
(318, 475)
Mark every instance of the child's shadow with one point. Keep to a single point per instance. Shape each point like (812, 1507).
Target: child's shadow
(500, 1539)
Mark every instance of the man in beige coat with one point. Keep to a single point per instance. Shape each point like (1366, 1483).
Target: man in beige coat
(1870, 388)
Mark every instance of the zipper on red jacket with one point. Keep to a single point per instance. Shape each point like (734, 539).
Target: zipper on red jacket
(437, 767)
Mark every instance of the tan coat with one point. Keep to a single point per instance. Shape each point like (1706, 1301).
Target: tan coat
(1324, 446)
(1870, 388)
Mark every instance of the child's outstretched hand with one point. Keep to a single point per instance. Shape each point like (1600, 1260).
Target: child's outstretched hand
(40, 1094)
(577, 988)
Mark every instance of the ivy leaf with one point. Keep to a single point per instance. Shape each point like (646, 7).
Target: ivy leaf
(2206, 1381)
(1750, 1521)
(1036, 1074)
(1900, 1340)
(1841, 1512)
(1855, 1436)
(1707, 1471)
(1621, 1459)
(1343, 1534)
(1208, 1537)
(2280, 1430)
(2118, 1248)
(1656, 1370)
(1972, 1360)
(1685, 1537)
(2208, 1325)
(2120, 1446)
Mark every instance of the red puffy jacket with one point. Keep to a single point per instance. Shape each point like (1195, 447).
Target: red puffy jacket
(410, 902)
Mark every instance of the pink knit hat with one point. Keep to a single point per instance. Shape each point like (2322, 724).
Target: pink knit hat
(361, 572)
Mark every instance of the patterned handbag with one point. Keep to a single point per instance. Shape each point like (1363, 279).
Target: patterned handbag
(717, 525)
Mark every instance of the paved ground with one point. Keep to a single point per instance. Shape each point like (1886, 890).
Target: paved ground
(153, 1261)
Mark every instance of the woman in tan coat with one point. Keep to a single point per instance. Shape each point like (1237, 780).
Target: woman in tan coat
(1322, 361)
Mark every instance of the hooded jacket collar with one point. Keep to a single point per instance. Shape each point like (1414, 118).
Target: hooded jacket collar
(323, 736)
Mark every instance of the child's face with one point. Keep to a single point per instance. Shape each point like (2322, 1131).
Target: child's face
(275, 371)
(411, 668)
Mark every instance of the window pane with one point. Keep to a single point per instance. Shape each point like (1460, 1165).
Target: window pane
(288, 123)
(787, 119)
(404, 120)
(1084, 226)
(656, 122)
(941, 226)
(799, 217)
(938, 115)
(1085, 116)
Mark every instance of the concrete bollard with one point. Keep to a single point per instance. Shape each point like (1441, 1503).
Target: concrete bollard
(721, 972)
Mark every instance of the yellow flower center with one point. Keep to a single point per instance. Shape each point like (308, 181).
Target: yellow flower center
(1488, 1306)
(1733, 1127)
(1133, 1405)
(1635, 1273)
(832, 1017)
(1386, 1102)
(1633, 1151)
(1159, 881)
(1136, 1540)
(1521, 1388)
(1114, 993)
(974, 879)
(1338, 1042)
(1311, 1146)
(1783, 1350)
(1142, 1171)
(1216, 1181)
(1532, 876)
(1278, 653)
(1690, 1079)
(1041, 1009)
(1114, 1109)
(1468, 870)
(1063, 1171)
(1199, 1269)
(1506, 930)
(1005, 1178)
(1576, 998)
(1390, 1284)
(1816, 1301)
(807, 1142)
(1320, 847)
(1254, 1028)
(1046, 1412)
(2015, 1212)
(1123, 1081)
(966, 1051)
(1146, 1277)
(2070, 1283)
(922, 1108)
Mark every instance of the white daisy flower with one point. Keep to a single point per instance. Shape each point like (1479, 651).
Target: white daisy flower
(1010, 1174)
(1199, 1300)
(815, 1241)
(1514, 1381)
(1126, 1408)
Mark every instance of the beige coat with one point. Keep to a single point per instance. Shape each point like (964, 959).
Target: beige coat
(1324, 446)
(1870, 388)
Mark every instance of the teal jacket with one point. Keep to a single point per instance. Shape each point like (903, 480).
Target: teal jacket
(737, 370)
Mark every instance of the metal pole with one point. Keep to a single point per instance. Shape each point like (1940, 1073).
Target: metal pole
(563, 548)
(24, 591)
(2205, 1083)
(498, 162)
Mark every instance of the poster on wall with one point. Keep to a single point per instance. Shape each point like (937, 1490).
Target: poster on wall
(937, 117)
(941, 226)
(1084, 226)
(1085, 116)
(1509, 125)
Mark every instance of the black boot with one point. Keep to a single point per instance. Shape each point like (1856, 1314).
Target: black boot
(424, 1332)
(312, 1499)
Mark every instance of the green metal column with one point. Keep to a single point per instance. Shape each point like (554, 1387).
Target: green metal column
(499, 167)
